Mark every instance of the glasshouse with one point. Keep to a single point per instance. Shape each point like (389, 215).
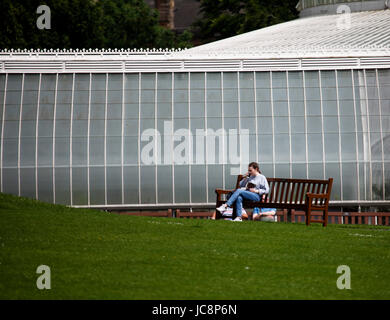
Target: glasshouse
(153, 128)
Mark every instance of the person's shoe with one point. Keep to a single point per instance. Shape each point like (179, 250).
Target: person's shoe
(238, 219)
(222, 208)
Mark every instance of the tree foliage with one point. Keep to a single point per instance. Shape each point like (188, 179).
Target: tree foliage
(226, 18)
(86, 24)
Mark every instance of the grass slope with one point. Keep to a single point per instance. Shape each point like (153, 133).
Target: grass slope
(100, 255)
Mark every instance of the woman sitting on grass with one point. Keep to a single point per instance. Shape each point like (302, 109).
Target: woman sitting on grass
(252, 187)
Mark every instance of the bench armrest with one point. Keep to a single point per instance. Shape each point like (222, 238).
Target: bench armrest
(220, 192)
(317, 195)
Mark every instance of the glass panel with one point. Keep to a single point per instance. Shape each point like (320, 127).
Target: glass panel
(62, 153)
(299, 171)
(130, 180)
(130, 152)
(313, 108)
(114, 150)
(282, 147)
(264, 108)
(214, 180)
(263, 80)
(80, 128)
(312, 79)
(247, 109)
(164, 96)
(230, 109)
(2, 90)
(79, 186)
(314, 124)
(282, 170)
(267, 170)
(148, 184)
(79, 151)
(96, 185)
(27, 182)
(295, 79)
(279, 94)
(62, 185)
(387, 181)
(279, 79)
(264, 124)
(281, 125)
(280, 108)
(181, 110)
(330, 108)
(96, 150)
(11, 128)
(348, 146)
(328, 79)
(10, 180)
(45, 152)
(377, 181)
(314, 142)
(265, 148)
(45, 184)
(114, 185)
(10, 152)
(114, 128)
(298, 147)
(386, 147)
(376, 146)
(230, 177)
(27, 151)
(198, 183)
(248, 124)
(316, 171)
(350, 185)
(332, 170)
(331, 146)
(164, 178)
(313, 94)
(331, 124)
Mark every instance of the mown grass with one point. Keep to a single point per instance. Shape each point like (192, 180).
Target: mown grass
(98, 255)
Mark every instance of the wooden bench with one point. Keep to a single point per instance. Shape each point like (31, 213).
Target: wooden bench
(292, 194)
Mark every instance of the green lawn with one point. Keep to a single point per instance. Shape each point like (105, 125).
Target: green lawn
(99, 255)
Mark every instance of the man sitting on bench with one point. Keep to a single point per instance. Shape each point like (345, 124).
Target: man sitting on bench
(252, 187)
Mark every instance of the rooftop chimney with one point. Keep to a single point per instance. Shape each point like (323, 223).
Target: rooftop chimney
(166, 9)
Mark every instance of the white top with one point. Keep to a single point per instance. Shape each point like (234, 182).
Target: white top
(259, 180)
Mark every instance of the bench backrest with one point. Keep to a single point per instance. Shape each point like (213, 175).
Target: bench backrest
(294, 190)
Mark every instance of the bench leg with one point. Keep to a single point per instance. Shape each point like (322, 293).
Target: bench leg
(289, 215)
(325, 223)
(308, 216)
(234, 213)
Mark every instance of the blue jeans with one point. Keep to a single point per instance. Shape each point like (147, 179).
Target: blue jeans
(238, 196)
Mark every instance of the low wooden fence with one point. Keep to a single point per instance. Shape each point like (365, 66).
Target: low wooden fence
(166, 213)
(371, 218)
